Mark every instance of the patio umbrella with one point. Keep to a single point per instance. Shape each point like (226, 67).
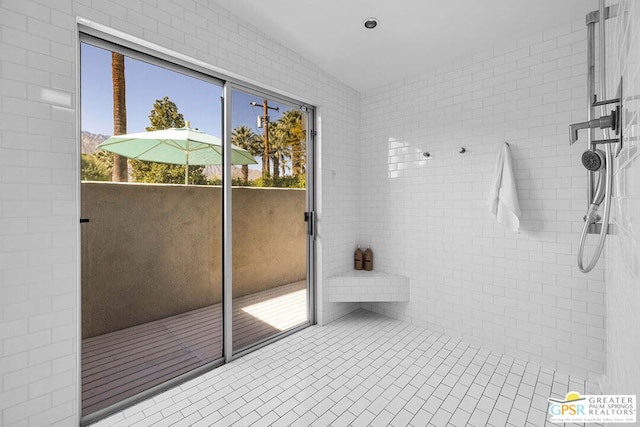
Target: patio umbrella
(176, 146)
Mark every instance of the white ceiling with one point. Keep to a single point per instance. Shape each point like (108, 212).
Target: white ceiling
(413, 35)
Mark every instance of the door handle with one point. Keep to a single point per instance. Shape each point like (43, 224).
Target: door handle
(309, 218)
(84, 220)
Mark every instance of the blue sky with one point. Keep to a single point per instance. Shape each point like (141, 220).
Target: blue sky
(197, 100)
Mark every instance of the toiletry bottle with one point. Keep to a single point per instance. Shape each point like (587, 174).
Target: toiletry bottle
(357, 259)
(368, 259)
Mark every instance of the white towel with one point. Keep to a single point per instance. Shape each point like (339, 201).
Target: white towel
(503, 199)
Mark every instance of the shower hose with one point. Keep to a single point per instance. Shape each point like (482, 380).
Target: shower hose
(591, 216)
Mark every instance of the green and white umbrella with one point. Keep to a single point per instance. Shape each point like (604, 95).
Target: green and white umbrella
(176, 146)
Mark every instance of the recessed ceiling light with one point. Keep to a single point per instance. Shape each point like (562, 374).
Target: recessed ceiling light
(370, 23)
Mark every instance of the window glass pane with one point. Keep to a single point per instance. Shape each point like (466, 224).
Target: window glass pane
(269, 232)
(152, 251)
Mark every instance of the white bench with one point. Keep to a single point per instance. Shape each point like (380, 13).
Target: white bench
(367, 286)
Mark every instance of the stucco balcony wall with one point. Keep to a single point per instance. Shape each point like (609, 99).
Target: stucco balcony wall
(151, 251)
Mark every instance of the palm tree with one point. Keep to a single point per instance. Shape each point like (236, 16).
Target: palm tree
(295, 135)
(120, 172)
(279, 147)
(244, 137)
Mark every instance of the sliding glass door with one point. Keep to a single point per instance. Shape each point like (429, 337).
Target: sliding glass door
(269, 199)
(151, 246)
(186, 263)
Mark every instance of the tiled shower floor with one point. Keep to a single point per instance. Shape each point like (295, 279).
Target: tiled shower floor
(364, 369)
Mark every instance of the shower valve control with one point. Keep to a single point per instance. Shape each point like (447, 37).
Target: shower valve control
(611, 121)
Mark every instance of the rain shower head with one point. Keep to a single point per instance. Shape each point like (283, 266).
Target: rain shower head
(593, 160)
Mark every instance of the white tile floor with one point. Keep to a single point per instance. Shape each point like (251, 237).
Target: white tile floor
(364, 369)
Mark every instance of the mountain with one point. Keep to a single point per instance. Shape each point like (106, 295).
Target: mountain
(213, 171)
(90, 141)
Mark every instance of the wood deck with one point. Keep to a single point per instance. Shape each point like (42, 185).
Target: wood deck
(124, 363)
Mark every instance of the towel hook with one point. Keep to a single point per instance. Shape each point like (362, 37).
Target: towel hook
(462, 150)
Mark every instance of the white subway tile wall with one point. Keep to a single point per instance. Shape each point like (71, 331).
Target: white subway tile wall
(520, 294)
(623, 248)
(39, 283)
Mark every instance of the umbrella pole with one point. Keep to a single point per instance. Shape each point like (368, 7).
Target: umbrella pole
(186, 167)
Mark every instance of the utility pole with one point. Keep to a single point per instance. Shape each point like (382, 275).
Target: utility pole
(265, 121)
